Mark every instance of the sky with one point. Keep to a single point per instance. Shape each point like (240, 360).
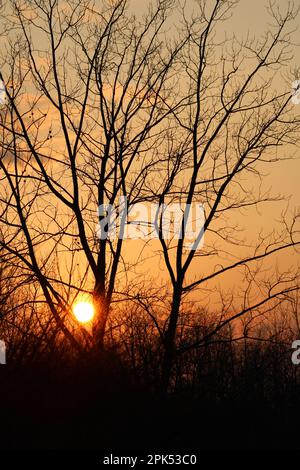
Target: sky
(248, 17)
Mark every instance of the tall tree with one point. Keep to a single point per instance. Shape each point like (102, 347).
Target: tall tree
(239, 118)
(83, 126)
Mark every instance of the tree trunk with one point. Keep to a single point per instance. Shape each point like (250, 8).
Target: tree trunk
(101, 306)
(169, 343)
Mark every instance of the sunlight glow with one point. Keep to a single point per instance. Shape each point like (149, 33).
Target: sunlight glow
(83, 311)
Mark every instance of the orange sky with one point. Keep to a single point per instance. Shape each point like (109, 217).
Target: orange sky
(283, 177)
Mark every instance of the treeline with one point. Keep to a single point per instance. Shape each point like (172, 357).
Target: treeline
(233, 391)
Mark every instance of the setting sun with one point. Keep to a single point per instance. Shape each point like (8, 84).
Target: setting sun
(83, 311)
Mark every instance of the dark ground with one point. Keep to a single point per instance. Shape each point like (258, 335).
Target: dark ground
(91, 408)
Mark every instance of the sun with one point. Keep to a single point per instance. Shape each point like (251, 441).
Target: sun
(83, 311)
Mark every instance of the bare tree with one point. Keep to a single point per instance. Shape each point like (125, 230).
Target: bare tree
(83, 126)
(236, 122)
